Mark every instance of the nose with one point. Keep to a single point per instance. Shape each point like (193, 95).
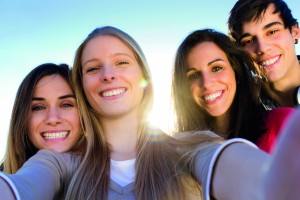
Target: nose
(108, 75)
(262, 46)
(207, 81)
(53, 117)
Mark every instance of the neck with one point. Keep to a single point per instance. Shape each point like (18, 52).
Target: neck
(122, 134)
(221, 125)
(282, 91)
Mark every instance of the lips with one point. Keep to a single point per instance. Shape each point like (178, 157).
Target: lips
(212, 96)
(269, 62)
(113, 92)
(55, 135)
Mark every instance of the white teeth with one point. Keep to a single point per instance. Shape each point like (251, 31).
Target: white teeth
(213, 96)
(269, 62)
(113, 92)
(55, 135)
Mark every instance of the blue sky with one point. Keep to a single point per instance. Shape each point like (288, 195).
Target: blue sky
(35, 32)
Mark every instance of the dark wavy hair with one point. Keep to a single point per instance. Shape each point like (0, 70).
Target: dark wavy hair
(245, 109)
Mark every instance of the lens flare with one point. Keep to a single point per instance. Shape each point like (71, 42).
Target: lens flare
(143, 83)
(157, 135)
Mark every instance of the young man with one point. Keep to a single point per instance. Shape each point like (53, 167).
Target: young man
(269, 32)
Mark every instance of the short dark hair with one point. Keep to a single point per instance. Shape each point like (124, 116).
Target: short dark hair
(248, 10)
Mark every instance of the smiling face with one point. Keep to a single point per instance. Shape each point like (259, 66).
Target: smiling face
(212, 79)
(112, 77)
(271, 45)
(54, 119)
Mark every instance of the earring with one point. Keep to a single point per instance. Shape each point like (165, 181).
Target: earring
(296, 41)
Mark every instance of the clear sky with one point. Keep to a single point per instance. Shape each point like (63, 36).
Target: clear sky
(34, 32)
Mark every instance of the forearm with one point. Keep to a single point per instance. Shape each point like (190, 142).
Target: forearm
(243, 172)
(238, 173)
(231, 170)
(42, 177)
(5, 190)
(283, 174)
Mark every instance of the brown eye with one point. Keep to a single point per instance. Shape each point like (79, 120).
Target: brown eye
(272, 32)
(67, 105)
(216, 69)
(194, 76)
(247, 42)
(92, 69)
(37, 108)
(123, 63)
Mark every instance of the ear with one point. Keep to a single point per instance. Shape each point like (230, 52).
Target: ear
(295, 32)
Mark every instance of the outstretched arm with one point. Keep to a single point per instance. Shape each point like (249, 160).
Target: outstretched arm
(5, 190)
(283, 174)
(43, 176)
(243, 172)
(239, 173)
(232, 170)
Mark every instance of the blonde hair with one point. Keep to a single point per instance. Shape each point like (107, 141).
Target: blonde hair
(157, 155)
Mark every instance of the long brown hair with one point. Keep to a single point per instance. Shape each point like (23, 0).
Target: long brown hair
(19, 147)
(245, 110)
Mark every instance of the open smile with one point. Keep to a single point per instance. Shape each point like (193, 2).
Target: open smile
(114, 92)
(213, 96)
(268, 63)
(55, 135)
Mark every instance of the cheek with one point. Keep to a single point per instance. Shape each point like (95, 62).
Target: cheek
(137, 80)
(89, 82)
(233, 85)
(134, 74)
(195, 91)
(75, 120)
(194, 88)
(251, 50)
(86, 83)
(33, 125)
(33, 122)
(89, 85)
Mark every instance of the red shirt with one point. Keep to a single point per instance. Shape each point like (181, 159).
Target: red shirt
(274, 121)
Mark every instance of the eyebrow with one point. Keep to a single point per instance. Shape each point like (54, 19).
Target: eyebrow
(264, 28)
(209, 63)
(215, 60)
(123, 54)
(271, 24)
(113, 55)
(90, 60)
(61, 97)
